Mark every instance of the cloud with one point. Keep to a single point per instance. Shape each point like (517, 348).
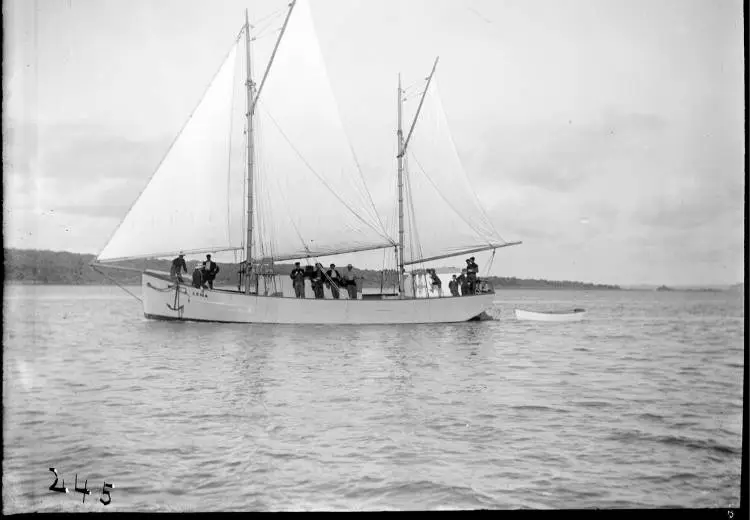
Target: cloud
(563, 155)
(80, 151)
(692, 202)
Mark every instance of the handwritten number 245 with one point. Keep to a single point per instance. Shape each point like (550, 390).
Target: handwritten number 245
(106, 488)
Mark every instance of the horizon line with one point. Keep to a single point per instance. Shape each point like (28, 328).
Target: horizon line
(621, 285)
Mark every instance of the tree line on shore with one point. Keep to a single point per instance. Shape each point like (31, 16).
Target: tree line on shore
(27, 266)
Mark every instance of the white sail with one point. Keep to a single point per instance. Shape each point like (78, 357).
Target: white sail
(438, 197)
(193, 202)
(310, 197)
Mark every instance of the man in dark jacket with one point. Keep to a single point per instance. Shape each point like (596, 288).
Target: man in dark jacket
(210, 270)
(178, 266)
(463, 283)
(298, 280)
(453, 286)
(472, 271)
(317, 281)
(333, 281)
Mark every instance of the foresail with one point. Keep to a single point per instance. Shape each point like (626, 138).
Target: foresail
(440, 203)
(193, 202)
(310, 197)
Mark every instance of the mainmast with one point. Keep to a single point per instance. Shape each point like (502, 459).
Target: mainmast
(250, 160)
(252, 100)
(400, 136)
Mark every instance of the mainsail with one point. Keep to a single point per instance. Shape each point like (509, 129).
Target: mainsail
(311, 198)
(443, 214)
(193, 202)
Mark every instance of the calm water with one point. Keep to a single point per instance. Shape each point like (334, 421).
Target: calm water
(638, 406)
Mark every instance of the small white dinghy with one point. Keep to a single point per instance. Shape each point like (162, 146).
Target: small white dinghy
(566, 315)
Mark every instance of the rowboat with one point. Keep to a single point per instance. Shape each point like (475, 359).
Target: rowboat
(562, 315)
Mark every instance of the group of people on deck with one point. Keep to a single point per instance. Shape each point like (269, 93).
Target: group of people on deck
(203, 275)
(467, 281)
(320, 279)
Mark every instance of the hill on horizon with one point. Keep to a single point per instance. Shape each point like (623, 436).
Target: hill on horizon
(32, 266)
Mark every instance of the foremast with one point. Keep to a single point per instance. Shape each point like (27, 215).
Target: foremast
(402, 144)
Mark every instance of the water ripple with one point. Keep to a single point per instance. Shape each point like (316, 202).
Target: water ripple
(639, 405)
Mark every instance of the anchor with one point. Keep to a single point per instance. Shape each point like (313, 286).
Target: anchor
(177, 307)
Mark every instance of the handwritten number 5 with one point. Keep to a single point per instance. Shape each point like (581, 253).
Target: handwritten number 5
(105, 491)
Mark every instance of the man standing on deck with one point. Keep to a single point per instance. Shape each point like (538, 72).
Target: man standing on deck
(298, 280)
(463, 283)
(472, 269)
(333, 281)
(210, 270)
(350, 280)
(453, 286)
(317, 281)
(178, 265)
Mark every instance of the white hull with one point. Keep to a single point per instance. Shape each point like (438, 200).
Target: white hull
(573, 315)
(162, 300)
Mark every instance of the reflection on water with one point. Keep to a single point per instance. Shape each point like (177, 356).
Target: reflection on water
(637, 406)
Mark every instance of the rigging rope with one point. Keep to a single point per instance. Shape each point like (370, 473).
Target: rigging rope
(229, 160)
(116, 283)
(455, 150)
(481, 235)
(322, 180)
(367, 191)
(489, 264)
(415, 243)
(268, 18)
(244, 197)
(272, 14)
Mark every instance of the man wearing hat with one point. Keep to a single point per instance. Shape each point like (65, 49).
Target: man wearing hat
(453, 286)
(350, 281)
(178, 265)
(298, 280)
(317, 281)
(471, 274)
(210, 270)
(333, 280)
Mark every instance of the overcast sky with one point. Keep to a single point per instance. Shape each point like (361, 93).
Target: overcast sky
(607, 135)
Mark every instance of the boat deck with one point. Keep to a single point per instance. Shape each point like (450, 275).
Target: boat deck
(365, 296)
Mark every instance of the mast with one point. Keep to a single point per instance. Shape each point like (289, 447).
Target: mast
(401, 151)
(419, 108)
(400, 136)
(250, 160)
(252, 99)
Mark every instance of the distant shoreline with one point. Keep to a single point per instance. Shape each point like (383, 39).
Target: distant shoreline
(498, 289)
(59, 268)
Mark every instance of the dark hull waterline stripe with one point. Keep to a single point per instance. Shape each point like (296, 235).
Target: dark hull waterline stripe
(171, 318)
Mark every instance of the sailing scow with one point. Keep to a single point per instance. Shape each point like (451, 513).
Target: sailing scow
(249, 139)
